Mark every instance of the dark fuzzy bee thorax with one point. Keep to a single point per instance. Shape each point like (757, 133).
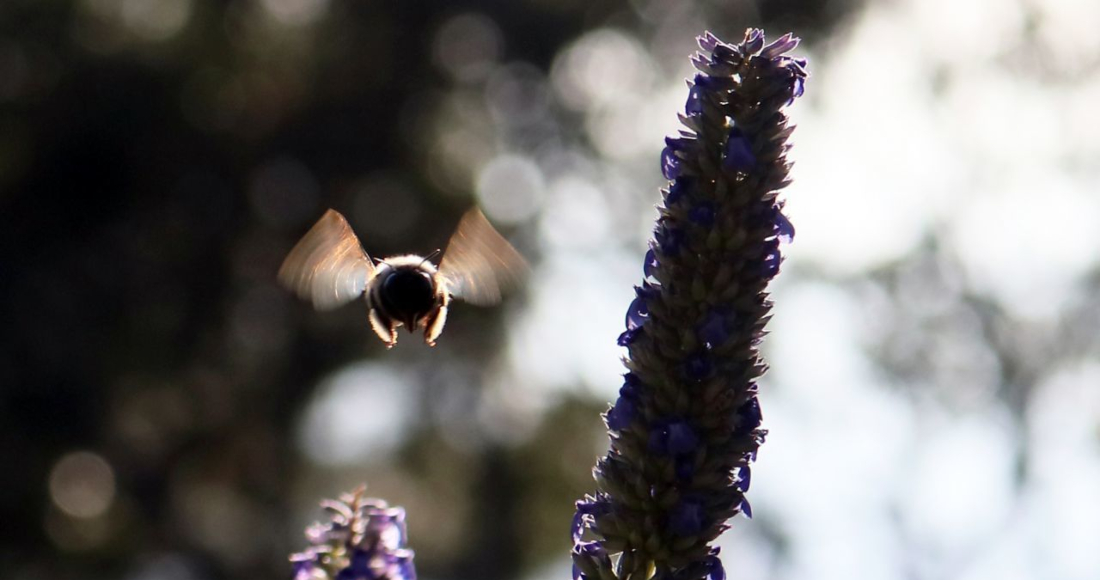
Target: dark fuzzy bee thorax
(404, 293)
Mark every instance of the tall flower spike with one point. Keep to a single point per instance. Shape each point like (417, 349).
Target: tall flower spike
(363, 539)
(687, 422)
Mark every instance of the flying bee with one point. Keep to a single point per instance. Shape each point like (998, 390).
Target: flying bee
(329, 267)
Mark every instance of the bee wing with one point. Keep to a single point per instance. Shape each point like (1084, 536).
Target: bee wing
(479, 263)
(327, 266)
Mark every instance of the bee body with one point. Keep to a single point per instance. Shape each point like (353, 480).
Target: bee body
(407, 291)
(329, 267)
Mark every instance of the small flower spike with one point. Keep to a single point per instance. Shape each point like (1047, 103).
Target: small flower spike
(363, 539)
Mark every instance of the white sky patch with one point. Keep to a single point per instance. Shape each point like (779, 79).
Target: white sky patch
(600, 68)
(961, 32)
(959, 490)
(872, 165)
(359, 413)
(568, 335)
(1069, 27)
(510, 189)
(836, 445)
(1030, 242)
(1066, 438)
(578, 217)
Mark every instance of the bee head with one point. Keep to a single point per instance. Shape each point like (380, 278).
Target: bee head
(406, 289)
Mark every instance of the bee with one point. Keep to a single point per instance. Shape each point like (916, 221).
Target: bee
(329, 268)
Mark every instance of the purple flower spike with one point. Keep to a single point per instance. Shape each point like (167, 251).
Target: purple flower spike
(364, 540)
(682, 443)
(739, 155)
(670, 165)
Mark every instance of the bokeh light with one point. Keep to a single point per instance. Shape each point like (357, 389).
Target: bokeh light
(468, 46)
(82, 484)
(360, 414)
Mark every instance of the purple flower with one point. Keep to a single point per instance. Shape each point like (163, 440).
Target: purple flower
(715, 328)
(682, 443)
(686, 518)
(627, 338)
(650, 267)
(769, 264)
(637, 313)
(694, 105)
(620, 416)
(669, 240)
(685, 467)
(738, 154)
(670, 165)
(715, 571)
(748, 417)
(784, 229)
(678, 190)
(363, 539)
(781, 45)
(588, 559)
(681, 438)
(702, 214)
(744, 478)
(672, 437)
(698, 367)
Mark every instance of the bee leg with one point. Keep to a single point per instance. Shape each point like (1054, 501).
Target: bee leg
(433, 324)
(384, 328)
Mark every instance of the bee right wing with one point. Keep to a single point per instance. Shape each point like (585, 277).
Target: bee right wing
(327, 266)
(479, 263)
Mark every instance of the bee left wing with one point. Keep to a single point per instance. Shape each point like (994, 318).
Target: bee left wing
(479, 263)
(327, 266)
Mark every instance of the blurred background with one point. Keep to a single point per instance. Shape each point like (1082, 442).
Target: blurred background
(168, 412)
